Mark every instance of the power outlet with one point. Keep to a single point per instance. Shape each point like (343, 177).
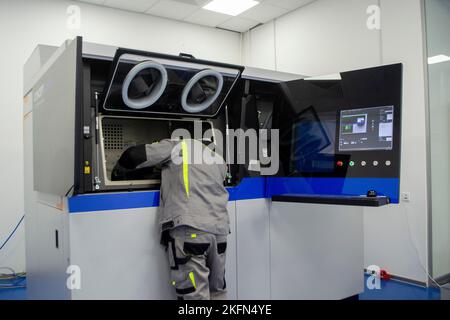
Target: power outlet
(406, 196)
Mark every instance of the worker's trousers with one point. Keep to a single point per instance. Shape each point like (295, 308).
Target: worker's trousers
(197, 263)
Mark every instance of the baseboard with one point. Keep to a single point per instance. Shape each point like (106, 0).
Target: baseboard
(443, 279)
(409, 281)
(405, 280)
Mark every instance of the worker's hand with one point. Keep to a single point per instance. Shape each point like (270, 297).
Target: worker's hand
(121, 174)
(133, 156)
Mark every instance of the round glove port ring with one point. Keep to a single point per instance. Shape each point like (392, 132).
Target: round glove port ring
(199, 107)
(156, 93)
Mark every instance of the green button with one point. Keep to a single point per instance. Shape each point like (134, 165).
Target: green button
(352, 163)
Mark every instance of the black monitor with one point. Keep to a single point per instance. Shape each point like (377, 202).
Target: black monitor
(366, 129)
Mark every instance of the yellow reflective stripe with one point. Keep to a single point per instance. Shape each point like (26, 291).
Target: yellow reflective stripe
(184, 150)
(191, 276)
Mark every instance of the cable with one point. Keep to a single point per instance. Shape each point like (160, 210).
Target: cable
(9, 269)
(12, 274)
(416, 249)
(12, 277)
(14, 280)
(12, 233)
(19, 277)
(68, 191)
(13, 284)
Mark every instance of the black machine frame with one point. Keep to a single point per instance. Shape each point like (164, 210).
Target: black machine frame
(357, 89)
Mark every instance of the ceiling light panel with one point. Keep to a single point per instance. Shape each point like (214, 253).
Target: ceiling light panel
(230, 7)
(438, 59)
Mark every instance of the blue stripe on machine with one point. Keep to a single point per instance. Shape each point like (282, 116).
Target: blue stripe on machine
(249, 188)
(113, 201)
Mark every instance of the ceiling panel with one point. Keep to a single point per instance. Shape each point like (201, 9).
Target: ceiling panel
(289, 4)
(207, 18)
(263, 12)
(172, 9)
(199, 3)
(132, 5)
(191, 11)
(239, 24)
(100, 2)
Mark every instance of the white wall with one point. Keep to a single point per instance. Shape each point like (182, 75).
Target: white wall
(329, 36)
(263, 38)
(323, 37)
(26, 23)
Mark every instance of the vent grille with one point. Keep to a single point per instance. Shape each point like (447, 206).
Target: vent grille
(113, 136)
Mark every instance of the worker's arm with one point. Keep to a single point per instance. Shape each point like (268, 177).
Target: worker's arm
(147, 155)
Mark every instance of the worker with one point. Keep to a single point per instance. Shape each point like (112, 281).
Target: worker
(193, 214)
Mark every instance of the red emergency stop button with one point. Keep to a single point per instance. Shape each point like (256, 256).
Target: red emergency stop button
(340, 164)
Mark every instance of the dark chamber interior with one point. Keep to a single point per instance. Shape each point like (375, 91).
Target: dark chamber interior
(121, 133)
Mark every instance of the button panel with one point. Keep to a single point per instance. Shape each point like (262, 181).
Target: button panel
(357, 165)
(363, 163)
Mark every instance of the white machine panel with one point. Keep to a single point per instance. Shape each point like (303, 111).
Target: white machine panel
(54, 124)
(231, 262)
(316, 251)
(253, 250)
(49, 254)
(120, 255)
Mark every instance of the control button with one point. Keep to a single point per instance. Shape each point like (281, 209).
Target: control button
(340, 164)
(375, 163)
(352, 163)
(363, 163)
(388, 163)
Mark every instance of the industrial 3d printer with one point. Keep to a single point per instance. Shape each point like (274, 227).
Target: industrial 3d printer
(91, 230)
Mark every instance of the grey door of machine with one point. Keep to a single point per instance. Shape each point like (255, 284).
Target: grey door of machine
(55, 96)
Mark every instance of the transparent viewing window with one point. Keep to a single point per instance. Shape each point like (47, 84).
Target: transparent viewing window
(117, 134)
(166, 86)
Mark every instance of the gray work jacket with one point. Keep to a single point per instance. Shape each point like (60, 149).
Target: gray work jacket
(192, 186)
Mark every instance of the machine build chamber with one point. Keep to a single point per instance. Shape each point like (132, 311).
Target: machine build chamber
(335, 140)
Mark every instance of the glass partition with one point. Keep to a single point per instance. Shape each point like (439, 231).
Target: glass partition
(438, 49)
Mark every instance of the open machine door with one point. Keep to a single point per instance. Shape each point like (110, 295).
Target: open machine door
(57, 96)
(338, 135)
(144, 84)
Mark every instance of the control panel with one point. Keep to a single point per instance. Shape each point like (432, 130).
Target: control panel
(342, 128)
